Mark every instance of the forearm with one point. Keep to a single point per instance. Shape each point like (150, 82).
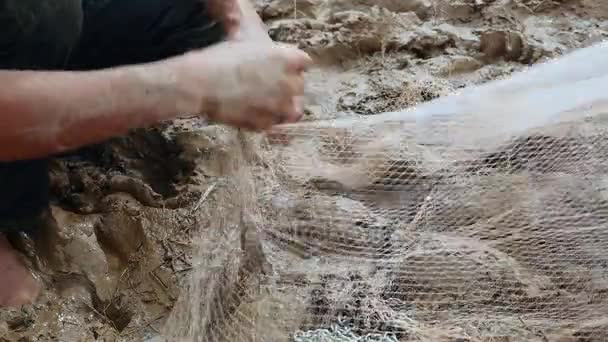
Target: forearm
(50, 112)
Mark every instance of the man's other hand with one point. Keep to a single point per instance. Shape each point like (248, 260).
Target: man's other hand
(228, 13)
(240, 20)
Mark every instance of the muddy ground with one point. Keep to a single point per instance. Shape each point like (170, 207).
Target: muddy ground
(131, 213)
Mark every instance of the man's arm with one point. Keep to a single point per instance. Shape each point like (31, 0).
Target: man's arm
(49, 112)
(245, 85)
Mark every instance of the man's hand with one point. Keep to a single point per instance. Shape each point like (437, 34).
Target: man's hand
(239, 19)
(251, 85)
(243, 84)
(228, 13)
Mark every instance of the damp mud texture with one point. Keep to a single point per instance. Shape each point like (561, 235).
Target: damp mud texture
(136, 218)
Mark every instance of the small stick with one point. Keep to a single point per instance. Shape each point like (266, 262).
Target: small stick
(203, 197)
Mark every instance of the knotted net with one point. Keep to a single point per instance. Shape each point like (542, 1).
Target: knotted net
(481, 216)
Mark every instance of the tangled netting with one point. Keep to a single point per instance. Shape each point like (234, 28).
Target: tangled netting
(481, 216)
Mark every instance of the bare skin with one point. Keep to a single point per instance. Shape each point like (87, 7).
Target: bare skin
(18, 286)
(246, 82)
(242, 84)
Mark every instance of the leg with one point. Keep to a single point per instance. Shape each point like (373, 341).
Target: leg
(33, 35)
(120, 32)
(40, 35)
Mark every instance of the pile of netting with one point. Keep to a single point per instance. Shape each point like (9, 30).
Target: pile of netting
(481, 216)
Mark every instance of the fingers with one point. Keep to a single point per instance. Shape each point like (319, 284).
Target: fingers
(263, 114)
(295, 112)
(261, 121)
(269, 90)
(287, 111)
(293, 86)
(287, 107)
(298, 61)
(264, 120)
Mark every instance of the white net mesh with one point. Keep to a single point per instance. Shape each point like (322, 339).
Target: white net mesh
(481, 216)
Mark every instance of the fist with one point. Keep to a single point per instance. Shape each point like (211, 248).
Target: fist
(245, 84)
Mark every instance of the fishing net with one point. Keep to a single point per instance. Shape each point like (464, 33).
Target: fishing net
(481, 216)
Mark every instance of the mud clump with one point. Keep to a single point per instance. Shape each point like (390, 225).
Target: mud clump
(117, 241)
(144, 164)
(361, 235)
(512, 46)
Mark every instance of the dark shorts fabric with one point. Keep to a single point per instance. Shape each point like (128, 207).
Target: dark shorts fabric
(85, 35)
